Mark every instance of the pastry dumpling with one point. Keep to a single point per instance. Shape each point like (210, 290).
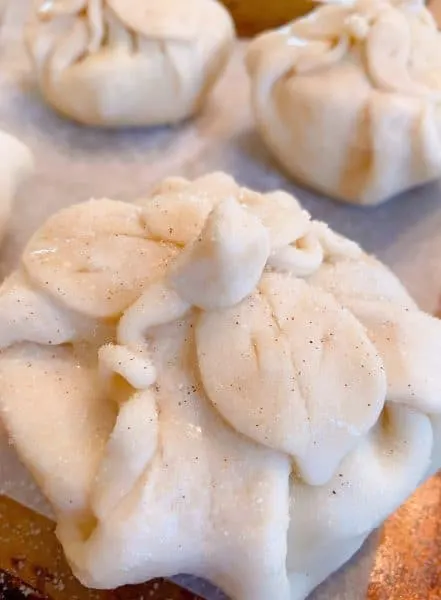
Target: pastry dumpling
(230, 390)
(17, 164)
(348, 98)
(125, 62)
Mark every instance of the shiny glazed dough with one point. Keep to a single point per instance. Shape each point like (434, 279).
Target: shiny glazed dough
(17, 165)
(348, 98)
(210, 382)
(126, 63)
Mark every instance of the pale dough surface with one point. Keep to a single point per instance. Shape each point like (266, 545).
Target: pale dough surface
(17, 165)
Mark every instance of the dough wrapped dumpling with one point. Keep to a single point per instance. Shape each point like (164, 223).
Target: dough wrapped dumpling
(127, 63)
(209, 382)
(17, 165)
(348, 98)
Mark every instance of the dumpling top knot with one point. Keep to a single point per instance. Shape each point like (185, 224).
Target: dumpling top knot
(226, 261)
(168, 17)
(398, 38)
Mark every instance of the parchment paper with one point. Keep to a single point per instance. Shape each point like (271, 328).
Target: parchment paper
(76, 163)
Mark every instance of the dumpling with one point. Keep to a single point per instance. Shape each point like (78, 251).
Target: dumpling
(17, 164)
(252, 397)
(127, 63)
(347, 98)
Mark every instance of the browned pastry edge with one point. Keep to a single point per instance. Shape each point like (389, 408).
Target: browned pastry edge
(13, 588)
(408, 560)
(255, 16)
(29, 550)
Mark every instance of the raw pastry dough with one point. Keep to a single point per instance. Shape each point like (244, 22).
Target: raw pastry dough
(125, 62)
(17, 164)
(209, 382)
(348, 98)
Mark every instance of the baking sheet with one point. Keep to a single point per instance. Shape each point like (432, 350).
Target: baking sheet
(76, 163)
